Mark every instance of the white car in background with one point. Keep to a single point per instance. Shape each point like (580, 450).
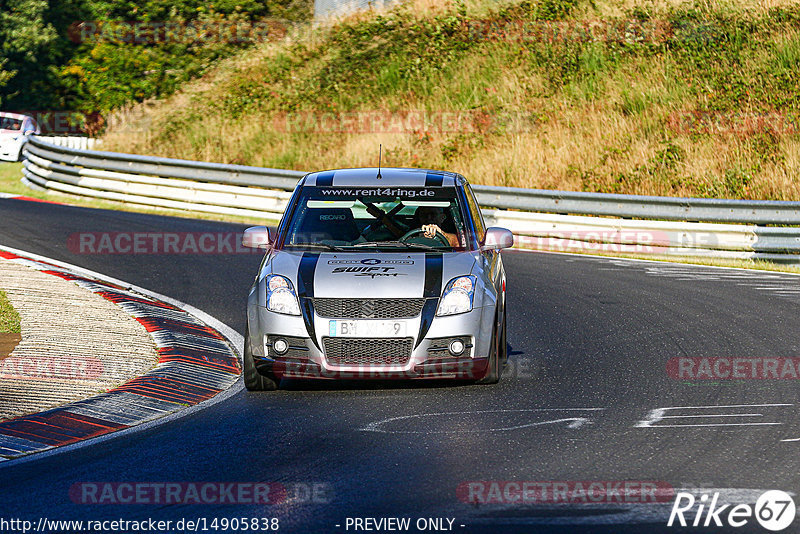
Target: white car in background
(14, 132)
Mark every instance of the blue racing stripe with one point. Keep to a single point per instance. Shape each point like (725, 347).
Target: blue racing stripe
(325, 179)
(434, 179)
(305, 291)
(433, 289)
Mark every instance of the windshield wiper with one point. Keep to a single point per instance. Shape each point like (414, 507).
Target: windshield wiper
(324, 246)
(395, 244)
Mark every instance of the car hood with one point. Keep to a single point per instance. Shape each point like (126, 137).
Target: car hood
(370, 274)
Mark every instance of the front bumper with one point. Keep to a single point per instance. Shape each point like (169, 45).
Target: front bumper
(429, 358)
(10, 149)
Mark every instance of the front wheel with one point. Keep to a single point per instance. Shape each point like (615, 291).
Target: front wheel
(253, 380)
(495, 362)
(503, 342)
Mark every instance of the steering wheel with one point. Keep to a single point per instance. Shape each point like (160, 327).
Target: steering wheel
(414, 232)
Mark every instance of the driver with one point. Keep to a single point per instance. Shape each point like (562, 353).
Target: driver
(430, 218)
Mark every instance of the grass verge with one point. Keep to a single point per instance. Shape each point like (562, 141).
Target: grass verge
(9, 318)
(695, 98)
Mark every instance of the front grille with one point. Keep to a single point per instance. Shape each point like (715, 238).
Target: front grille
(369, 308)
(360, 351)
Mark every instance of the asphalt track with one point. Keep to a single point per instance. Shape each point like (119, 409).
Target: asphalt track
(590, 339)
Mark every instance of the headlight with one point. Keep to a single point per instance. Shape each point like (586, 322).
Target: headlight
(457, 296)
(280, 296)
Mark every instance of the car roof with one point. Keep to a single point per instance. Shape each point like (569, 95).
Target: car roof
(14, 115)
(389, 177)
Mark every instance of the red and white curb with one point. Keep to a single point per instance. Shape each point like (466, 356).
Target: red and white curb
(29, 199)
(197, 364)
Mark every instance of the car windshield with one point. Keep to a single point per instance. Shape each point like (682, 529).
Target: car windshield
(8, 123)
(377, 218)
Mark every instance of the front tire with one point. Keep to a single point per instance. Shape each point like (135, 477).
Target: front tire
(253, 380)
(504, 342)
(495, 361)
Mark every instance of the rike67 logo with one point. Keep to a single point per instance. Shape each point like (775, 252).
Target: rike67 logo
(774, 510)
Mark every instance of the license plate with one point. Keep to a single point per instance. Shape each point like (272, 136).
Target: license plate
(367, 329)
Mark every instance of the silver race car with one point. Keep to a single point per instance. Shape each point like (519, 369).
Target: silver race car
(378, 273)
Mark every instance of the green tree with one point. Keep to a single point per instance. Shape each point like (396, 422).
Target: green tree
(5, 76)
(51, 65)
(27, 43)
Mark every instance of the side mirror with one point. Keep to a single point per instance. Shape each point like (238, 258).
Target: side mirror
(497, 238)
(256, 237)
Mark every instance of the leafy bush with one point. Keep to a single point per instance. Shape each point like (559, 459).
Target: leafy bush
(57, 65)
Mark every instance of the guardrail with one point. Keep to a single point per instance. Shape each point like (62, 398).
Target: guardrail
(160, 182)
(546, 219)
(332, 8)
(640, 206)
(71, 141)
